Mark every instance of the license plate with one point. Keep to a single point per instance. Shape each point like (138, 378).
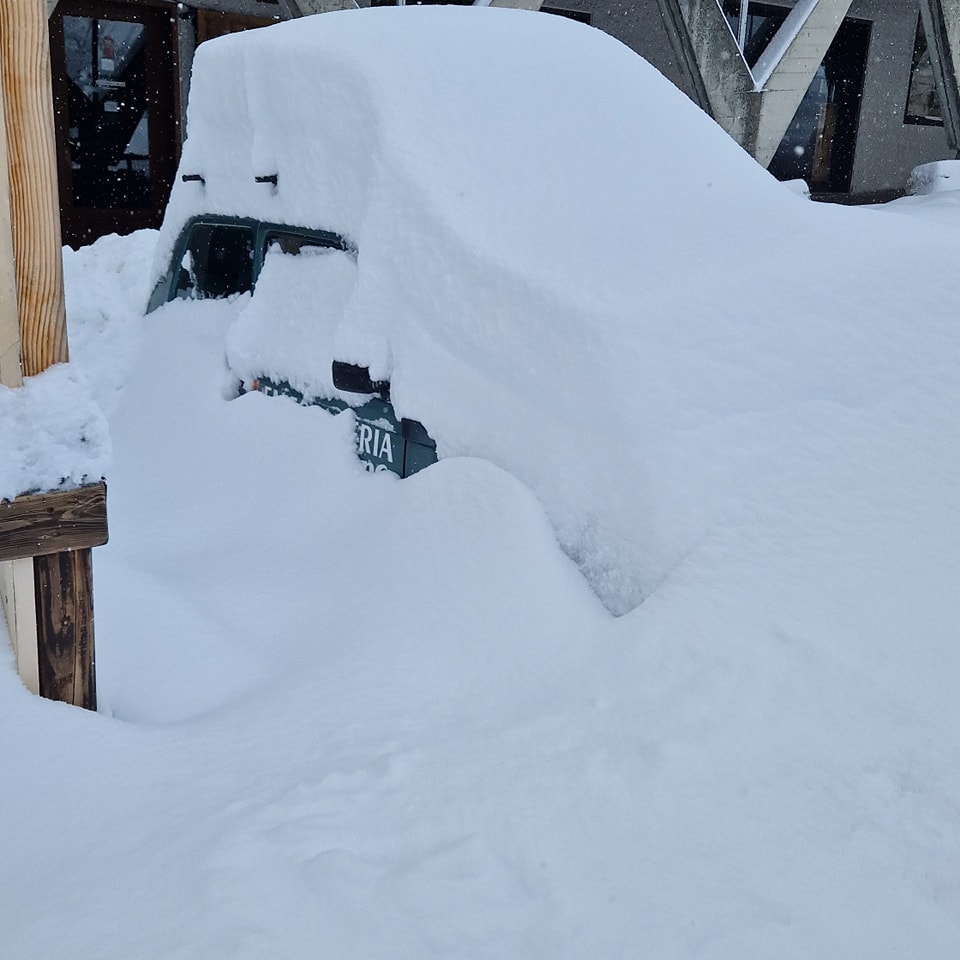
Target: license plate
(383, 443)
(380, 445)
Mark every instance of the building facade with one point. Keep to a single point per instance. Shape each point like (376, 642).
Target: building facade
(855, 103)
(120, 73)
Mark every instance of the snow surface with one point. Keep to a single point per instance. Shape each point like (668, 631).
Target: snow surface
(937, 177)
(52, 434)
(345, 715)
(287, 331)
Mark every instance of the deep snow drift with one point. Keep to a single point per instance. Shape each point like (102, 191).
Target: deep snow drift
(352, 716)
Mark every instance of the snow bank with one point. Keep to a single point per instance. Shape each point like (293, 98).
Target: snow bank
(287, 330)
(381, 719)
(937, 177)
(390, 718)
(51, 433)
(53, 430)
(105, 287)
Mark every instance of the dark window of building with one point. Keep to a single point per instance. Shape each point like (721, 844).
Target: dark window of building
(216, 23)
(760, 22)
(115, 115)
(820, 143)
(108, 105)
(923, 100)
(218, 261)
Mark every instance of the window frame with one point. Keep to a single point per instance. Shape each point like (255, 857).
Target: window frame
(262, 231)
(921, 49)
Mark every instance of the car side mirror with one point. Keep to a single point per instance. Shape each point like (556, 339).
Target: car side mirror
(352, 378)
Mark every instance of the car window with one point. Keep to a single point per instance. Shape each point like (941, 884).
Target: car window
(292, 243)
(218, 261)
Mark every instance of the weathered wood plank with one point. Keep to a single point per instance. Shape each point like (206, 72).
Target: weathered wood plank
(65, 627)
(9, 322)
(44, 523)
(20, 609)
(34, 202)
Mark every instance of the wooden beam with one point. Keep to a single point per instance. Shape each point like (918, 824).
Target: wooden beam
(43, 523)
(32, 152)
(65, 627)
(17, 589)
(18, 592)
(251, 7)
(10, 375)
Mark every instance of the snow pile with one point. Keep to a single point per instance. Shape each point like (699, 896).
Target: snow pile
(105, 287)
(799, 187)
(356, 716)
(937, 177)
(390, 718)
(51, 432)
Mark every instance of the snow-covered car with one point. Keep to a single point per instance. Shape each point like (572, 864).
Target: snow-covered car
(533, 237)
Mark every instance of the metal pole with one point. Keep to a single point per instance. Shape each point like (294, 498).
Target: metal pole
(742, 31)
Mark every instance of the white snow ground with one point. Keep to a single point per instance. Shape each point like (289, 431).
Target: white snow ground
(348, 716)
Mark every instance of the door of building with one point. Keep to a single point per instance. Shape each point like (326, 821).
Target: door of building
(115, 89)
(820, 143)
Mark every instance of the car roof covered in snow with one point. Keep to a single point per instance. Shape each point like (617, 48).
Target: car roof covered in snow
(524, 134)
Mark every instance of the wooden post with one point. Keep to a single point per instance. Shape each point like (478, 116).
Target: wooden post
(62, 609)
(32, 164)
(10, 375)
(65, 623)
(57, 530)
(17, 586)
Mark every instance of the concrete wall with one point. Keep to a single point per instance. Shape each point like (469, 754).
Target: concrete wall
(887, 148)
(637, 23)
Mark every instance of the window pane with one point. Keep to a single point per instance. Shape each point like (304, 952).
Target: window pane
(291, 243)
(923, 100)
(763, 21)
(107, 110)
(797, 155)
(218, 262)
